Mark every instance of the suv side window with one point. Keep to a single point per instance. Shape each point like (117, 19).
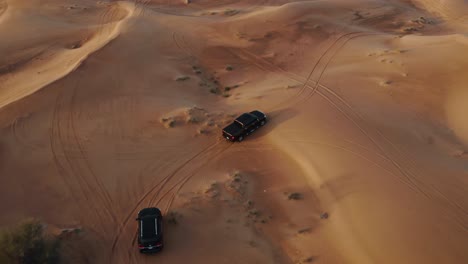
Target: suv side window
(251, 124)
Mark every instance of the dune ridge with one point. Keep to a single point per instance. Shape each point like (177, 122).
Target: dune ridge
(59, 62)
(3, 9)
(363, 159)
(455, 11)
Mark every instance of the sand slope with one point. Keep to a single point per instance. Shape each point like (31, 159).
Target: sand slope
(48, 61)
(110, 107)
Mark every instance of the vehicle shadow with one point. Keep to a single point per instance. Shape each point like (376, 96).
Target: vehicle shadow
(275, 119)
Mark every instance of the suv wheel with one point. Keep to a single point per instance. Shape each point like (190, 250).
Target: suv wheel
(262, 123)
(240, 138)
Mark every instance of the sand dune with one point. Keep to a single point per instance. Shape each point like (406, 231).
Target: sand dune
(109, 107)
(53, 61)
(451, 9)
(456, 109)
(3, 7)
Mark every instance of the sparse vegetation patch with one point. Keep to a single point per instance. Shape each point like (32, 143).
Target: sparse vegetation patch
(182, 78)
(28, 243)
(173, 217)
(295, 196)
(231, 12)
(304, 230)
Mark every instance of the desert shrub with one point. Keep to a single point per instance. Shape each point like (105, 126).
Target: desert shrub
(230, 12)
(182, 78)
(27, 244)
(295, 196)
(173, 218)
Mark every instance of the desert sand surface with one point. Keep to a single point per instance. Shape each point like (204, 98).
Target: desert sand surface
(107, 107)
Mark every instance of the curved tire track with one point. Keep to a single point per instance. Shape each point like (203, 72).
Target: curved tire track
(408, 177)
(107, 199)
(58, 141)
(185, 179)
(153, 189)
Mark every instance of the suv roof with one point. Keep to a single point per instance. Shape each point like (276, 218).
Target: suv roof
(149, 225)
(246, 118)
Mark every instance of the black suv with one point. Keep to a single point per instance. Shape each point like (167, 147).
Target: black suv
(244, 125)
(150, 236)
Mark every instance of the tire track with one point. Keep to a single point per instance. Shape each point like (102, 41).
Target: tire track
(176, 42)
(207, 156)
(175, 172)
(154, 188)
(409, 177)
(315, 89)
(62, 172)
(144, 5)
(403, 157)
(269, 67)
(351, 35)
(330, 48)
(109, 12)
(185, 179)
(317, 82)
(107, 199)
(71, 135)
(57, 140)
(149, 168)
(305, 86)
(123, 225)
(181, 47)
(16, 127)
(52, 135)
(163, 181)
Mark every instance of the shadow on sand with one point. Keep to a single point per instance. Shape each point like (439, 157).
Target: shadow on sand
(275, 119)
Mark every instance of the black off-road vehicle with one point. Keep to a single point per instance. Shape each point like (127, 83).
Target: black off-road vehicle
(244, 125)
(150, 235)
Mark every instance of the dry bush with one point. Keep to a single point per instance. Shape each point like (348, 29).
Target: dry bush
(27, 243)
(295, 196)
(182, 78)
(173, 217)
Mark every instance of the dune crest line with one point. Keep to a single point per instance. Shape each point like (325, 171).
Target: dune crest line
(63, 62)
